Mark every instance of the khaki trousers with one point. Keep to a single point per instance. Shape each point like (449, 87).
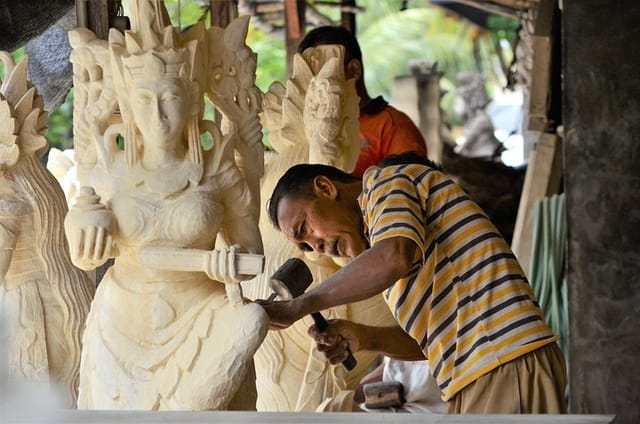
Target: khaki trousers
(531, 384)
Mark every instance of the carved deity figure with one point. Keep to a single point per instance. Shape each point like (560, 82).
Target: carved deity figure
(169, 328)
(43, 297)
(313, 119)
(479, 140)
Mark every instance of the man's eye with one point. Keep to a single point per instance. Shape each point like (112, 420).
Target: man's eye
(305, 247)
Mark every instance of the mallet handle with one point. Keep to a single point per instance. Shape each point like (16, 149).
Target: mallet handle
(322, 324)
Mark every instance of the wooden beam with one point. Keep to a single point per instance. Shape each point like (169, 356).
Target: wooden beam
(294, 28)
(223, 12)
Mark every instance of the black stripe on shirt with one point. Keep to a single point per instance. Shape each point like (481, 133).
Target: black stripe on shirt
(491, 337)
(465, 300)
(485, 339)
(386, 228)
(418, 309)
(385, 211)
(459, 224)
(474, 242)
(433, 190)
(451, 203)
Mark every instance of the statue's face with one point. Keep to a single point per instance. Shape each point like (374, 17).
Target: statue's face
(160, 109)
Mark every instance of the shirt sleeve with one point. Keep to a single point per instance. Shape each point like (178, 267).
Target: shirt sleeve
(393, 208)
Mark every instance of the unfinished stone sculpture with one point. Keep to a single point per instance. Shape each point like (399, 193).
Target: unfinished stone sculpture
(471, 100)
(169, 328)
(45, 298)
(62, 164)
(313, 119)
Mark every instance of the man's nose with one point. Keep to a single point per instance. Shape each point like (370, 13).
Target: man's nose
(317, 244)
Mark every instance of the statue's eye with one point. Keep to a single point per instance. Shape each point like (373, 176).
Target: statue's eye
(170, 97)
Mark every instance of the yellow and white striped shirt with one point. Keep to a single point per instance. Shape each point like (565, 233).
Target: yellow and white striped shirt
(466, 301)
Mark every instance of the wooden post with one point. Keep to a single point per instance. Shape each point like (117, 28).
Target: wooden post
(541, 67)
(223, 12)
(97, 17)
(543, 177)
(294, 28)
(348, 17)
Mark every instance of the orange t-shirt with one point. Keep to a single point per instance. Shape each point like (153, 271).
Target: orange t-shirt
(385, 131)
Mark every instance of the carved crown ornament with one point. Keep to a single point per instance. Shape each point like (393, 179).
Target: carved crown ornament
(22, 115)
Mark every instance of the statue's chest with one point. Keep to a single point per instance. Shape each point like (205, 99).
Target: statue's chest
(189, 219)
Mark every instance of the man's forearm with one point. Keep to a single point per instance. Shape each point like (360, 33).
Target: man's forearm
(390, 341)
(367, 275)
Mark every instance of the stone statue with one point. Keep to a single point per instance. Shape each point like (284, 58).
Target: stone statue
(471, 100)
(313, 119)
(62, 164)
(45, 299)
(169, 328)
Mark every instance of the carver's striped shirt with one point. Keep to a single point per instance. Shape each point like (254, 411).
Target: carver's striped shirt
(466, 300)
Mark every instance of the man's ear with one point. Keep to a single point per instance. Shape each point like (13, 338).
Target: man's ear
(324, 187)
(353, 69)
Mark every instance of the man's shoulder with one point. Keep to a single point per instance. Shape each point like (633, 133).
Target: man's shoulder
(393, 172)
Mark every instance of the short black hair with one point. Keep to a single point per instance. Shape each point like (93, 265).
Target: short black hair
(297, 183)
(332, 35)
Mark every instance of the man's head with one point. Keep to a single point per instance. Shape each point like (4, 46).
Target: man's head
(316, 207)
(323, 35)
(353, 67)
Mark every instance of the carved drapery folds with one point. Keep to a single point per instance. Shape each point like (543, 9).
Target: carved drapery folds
(44, 299)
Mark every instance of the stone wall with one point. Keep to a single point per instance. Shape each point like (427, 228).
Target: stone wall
(602, 183)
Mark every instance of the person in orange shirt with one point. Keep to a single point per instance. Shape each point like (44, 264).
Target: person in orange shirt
(384, 130)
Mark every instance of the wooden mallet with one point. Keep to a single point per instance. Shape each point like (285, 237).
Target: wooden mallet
(290, 281)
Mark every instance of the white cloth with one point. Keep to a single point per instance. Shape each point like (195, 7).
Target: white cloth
(421, 392)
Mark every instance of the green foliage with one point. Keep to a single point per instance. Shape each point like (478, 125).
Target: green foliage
(392, 41)
(184, 13)
(504, 28)
(60, 126)
(272, 57)
(17, 57)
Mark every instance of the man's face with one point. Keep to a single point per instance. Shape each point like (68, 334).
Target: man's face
(324, 224)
